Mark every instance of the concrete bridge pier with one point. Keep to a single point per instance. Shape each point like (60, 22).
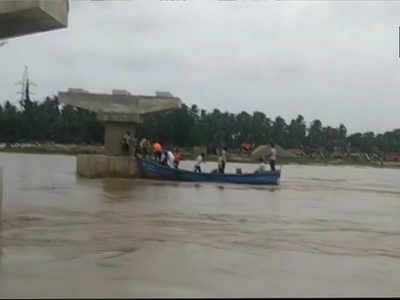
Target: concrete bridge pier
(119, 112)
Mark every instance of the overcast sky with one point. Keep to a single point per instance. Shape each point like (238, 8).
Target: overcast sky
(336, 61)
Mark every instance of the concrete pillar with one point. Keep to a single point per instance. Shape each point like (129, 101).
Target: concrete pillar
(98, 166)
(114, 131)
(30, 16)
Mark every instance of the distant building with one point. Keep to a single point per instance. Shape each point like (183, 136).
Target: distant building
(164, 94)
(120, 92)
(73, 90)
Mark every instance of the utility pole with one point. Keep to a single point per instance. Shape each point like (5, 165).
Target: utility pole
(25, 84)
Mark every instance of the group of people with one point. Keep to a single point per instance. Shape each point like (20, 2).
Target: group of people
(165, 156)
(222, 160)
(145, 149)
(161, 153)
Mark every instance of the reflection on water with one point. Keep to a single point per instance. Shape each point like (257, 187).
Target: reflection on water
(124, 186)
(325, 231)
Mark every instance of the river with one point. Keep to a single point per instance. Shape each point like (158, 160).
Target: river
(327, 231)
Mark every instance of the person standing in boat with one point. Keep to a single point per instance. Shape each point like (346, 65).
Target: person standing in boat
(178, 158)
(157, 150)
(170, 158)
(222, 158)
(220, 164)
(143, 147)
(199, 161)
(164, 156)
(262, 167)
(272, 157)
(149, 149)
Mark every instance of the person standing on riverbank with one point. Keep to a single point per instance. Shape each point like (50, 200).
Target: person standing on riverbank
(128, 143)
(125, 142)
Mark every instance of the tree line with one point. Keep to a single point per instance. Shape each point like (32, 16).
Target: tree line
(33, 121)
(193, 126)
(48, 121)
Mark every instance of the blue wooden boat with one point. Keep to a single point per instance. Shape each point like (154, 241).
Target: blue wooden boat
(152, 169)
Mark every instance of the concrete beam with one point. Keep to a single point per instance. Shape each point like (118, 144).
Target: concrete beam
(119, 104)
(119, 117)
(31, 16)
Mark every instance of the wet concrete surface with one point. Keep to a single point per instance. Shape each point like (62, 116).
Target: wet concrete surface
(325, 231)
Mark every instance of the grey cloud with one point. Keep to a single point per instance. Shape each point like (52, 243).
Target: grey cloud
(336, 61)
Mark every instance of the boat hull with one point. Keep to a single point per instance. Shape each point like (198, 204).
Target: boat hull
(151, 169)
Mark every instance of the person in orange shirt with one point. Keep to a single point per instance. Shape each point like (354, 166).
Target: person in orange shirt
(157, 148)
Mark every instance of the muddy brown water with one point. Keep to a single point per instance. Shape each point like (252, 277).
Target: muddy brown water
(325, 231)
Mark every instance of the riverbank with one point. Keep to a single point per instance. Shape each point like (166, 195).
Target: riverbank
(73, 149)
(68, 149)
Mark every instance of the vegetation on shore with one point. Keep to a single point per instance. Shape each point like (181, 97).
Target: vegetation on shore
(48, 121)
